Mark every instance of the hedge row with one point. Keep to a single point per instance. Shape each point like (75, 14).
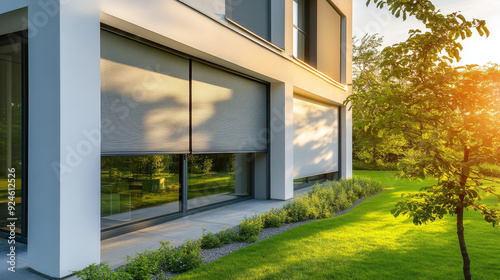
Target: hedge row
(323, 201)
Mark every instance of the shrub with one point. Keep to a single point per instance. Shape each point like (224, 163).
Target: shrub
(250, 228)
(298, 209)
(184, 258)
(274, 218)
(330, 197)
(226, 236)
(209, 240)
(321, 202)
(144, 265)
(101, 271)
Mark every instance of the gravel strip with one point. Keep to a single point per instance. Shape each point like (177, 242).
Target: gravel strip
(210, 255)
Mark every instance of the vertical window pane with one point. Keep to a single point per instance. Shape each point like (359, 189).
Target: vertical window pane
(299, 44)
(299, 29)
(138, 187)
(296, 13)
(11, 127)
(299, 13)
(218, 178)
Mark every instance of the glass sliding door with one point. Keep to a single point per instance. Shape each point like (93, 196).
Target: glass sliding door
(216, 178)
(12, 132)
(138, 187)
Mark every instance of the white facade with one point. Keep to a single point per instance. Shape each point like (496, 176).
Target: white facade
(64, 142)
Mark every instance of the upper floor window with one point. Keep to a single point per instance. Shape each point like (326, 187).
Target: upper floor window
(253, 15)
(264, 18)
(318, 34)
(299, 29)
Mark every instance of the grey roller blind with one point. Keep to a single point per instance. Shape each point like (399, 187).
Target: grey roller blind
(145, 98)
(315, 138)
(229, 112)
(254, 15)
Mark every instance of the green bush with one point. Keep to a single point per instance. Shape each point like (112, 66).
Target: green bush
(184, 258)
(226, 236)
(330, 197)
(321, 202)
(209, 240)
(490, 170)
(250, 228)
(101, 271)
(274, 218)
(144, 265)
(298, 209)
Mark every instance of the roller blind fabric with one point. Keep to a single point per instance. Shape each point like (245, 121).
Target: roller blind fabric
(145, 104)
(229, 112)
(315, 138)
(144, 99)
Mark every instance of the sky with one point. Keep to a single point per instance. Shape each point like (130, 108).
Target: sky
(477, 50)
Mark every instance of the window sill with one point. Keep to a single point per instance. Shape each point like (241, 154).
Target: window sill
(312, 69)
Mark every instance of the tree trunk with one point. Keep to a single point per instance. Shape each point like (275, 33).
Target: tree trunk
(461, 241)
(460, 221)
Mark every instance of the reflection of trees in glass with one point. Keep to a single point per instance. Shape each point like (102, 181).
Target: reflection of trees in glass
(137, 165)
(140, 181)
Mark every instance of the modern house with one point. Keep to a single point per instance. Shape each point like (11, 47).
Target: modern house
(121, 114)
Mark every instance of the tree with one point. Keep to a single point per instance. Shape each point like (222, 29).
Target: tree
(449, 115)
(372, 142)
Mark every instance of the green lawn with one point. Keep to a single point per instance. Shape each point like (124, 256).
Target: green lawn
(366, 243)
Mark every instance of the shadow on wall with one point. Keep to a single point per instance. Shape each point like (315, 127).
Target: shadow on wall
(316, 137)
(145, 103)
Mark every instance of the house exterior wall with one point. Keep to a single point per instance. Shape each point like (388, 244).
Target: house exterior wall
(64, 102)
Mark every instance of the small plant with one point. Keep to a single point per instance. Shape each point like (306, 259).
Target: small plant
(274, 218)
(101, 271)
(250, 228)
(226, 236)
(298, 209)
(207, 166)
(209, 240)
(184, 258)
(144, 265)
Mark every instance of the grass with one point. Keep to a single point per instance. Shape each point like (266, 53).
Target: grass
(366, 243)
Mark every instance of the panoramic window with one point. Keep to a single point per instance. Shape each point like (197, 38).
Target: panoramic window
(138, 187)
(218, 178)
(176, 134)
(12, 85)
(305, 182)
